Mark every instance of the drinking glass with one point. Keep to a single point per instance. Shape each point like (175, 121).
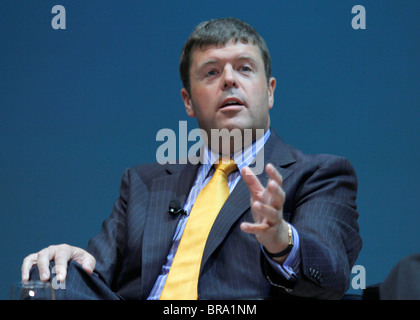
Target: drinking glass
(32, 290)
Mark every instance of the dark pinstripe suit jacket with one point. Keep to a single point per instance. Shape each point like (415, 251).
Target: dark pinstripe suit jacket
(134, 241)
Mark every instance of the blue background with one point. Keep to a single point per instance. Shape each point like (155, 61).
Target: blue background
(78, 106)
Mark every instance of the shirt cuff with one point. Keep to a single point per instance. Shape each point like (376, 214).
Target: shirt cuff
(290, 267)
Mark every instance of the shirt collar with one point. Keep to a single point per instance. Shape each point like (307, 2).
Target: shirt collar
(242, 158)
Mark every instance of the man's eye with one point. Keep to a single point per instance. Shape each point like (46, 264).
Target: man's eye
(246, 69)
(211, 73)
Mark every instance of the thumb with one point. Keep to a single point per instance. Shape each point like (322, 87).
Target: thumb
(85, 259)
(89, 265)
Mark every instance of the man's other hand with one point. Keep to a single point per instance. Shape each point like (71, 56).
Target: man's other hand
(61, 254)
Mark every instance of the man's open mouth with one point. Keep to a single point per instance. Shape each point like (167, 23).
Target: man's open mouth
(231, 102)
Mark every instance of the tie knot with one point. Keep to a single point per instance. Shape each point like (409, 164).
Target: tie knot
(226, 166)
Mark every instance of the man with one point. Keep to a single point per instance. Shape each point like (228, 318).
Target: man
(291, 230)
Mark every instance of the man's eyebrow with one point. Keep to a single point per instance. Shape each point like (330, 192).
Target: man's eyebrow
(248, 58)
(207, 62)
(241, 57)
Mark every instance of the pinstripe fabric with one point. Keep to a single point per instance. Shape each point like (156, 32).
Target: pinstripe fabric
(204, 175)
(134, 241)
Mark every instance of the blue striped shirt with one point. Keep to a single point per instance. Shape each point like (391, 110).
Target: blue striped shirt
(204, 174)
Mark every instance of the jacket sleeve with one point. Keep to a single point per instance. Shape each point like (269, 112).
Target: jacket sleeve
(108, 245)
(325, 217)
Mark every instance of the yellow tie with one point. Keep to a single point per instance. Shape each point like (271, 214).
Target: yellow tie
(182, 280)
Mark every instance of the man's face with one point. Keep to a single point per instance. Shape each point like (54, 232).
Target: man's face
(229, 88)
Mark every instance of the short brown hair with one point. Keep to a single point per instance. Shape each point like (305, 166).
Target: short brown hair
(221, 31)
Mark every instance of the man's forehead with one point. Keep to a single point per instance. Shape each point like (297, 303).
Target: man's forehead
(233, 50)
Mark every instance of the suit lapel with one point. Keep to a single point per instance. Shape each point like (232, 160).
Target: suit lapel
(176, 184)
(275, 152)
(235, 206)
(160, 225)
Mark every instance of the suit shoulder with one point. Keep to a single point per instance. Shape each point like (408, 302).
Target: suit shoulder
(319, 159)
(149, 171)
(322, 164)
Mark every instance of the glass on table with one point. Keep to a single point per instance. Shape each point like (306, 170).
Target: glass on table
(32, 290)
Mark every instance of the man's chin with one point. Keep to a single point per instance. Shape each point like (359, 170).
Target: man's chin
(232, 138)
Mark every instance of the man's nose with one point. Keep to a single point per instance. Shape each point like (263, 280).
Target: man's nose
(229, 78)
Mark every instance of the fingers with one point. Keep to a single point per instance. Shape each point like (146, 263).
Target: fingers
(61, 254)
(268, 218)
(266, 204)
(27, 264)
(254, 185)
(273, 195)
(43, 261)
(85, 259)
(274, 174)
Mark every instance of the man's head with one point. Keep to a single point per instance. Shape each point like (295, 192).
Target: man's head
(220, 32)
(226, 72)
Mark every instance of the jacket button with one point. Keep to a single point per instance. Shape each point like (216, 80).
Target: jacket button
(315, 274)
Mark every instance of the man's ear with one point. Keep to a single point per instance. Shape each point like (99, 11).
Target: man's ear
(187, 102)
(271, 89)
